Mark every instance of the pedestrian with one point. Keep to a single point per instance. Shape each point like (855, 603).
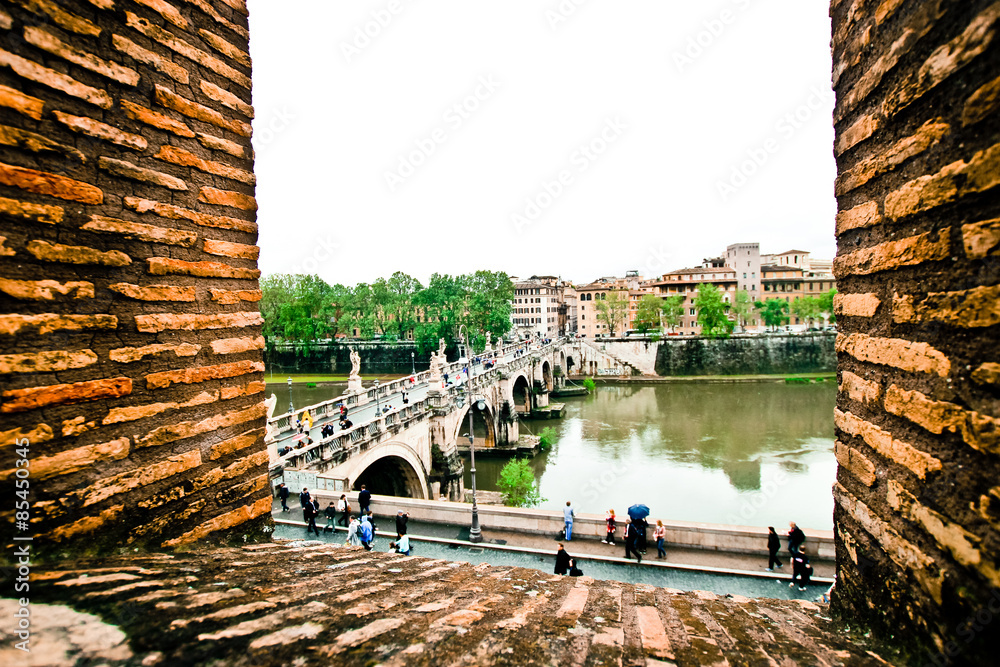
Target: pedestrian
(773, 545)
(659, 535)
(631, 534)
(562, 561)
(303, 497)
(609, 519)
(401, 519)
(406, 399)
(371, 520)
(352, 533)
(366, 534)
(568, 518)
(331, 517)
(401, 545)
(796, 538)
(801, 570)
(640, 539)
(364, 500)
(283, 494)
(344, 508)
(309, 514)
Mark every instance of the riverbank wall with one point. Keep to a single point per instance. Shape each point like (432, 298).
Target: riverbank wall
(377, 358)
(708, 536)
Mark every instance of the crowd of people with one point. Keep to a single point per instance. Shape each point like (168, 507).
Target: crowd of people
(361, 528)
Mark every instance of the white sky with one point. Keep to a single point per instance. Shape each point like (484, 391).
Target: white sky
(330, 124)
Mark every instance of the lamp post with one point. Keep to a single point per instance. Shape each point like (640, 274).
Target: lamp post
(378, 409)
(413, 364)
(475, 533)
(291, 407)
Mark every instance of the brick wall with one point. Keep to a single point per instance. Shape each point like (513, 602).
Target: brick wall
(918, 266)
(129, 323)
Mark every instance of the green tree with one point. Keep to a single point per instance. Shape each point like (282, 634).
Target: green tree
(443, 303)
(805, 308)
(825, 305)
(673, 310)
(647, 317)
(712, 311)
(489, 295)
(517, 482)
(742, 307)
(297, 309)
(774, 312)
(612, 309)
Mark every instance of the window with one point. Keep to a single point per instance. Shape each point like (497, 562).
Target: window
(744, 275)
(692, 311)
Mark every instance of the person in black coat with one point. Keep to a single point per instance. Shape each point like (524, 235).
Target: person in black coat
(401, 519)
(562, 561)
(631, 535)
(795, 538)
(364, 500)
(304, 498)
(773, 545)
(309, 512)
(283, 495)
(801, 570)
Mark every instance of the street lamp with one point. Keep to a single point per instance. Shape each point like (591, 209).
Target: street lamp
(475, 533)
(413, 364)
(291, 407)
(377, 403)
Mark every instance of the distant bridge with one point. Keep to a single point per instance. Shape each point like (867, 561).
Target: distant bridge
(412, 449)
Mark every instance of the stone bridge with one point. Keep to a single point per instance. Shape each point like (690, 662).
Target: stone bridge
(412, 449)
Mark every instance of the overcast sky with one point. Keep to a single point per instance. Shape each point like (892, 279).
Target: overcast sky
(579, 139)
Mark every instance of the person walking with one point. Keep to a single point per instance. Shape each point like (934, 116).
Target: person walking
(562, 561)
(344, 509)
(609, 520)
(659, 535)
(331, 518)
(631, 534)
(640, 526)
(283, 495)
(773, 546)
(801, 570)
(353, 539)
(401, 519)
(568, 518)
(796, 538)
(364, 500)
(309, 514)
(303, 497)
(366, 534)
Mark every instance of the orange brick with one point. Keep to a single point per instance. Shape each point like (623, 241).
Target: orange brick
(46, 290)
(177, 213)
(18, 101)
(227, 249)
(13, 324)
(169, 321)
(968, 309)
(227, 198)
(36, 434)
(136, 173)
(161, 266)
(230, 297)
(855, 305)
(53, 79)
(46, 41)
(918, 462)
(227, 447)
(222, 522)
(22, 400)
(52, 185)
(140, 232)
(165, 65)
(125, 355)
(895, 352)
(979, 174)
(981, 239)
(154, 292)
(171, 100)
(154, 119)
(71, 254)
(891, 255)
(46, 362)
(174, 432)
(226, 98)
(99, 130)
(164, 379)
(185, 158)
(237, 345)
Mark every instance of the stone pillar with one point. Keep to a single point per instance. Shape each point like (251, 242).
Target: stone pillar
(129, 319)
(918, 153)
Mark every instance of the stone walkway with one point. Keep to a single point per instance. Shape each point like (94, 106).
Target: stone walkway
(306, 604)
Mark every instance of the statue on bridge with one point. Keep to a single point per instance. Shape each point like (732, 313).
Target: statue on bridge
(489, 335)
(268, 432)
(354, 381)
(438, 361)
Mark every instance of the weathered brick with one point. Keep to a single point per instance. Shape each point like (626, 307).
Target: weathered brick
(968, 309)
(226, 447)
(237, 345)
(46, 290)
(52, 185)
(155, 119)
(13, 208)
(99, 130)
(206, 7)
(982, 104)
(161, 266)
(11, 325)
(979, 431)
(226, 98)
(221, 522)
(133, 479)
(74, 460)
(193, 322)
(906, 455)
(855, 462)
(74, 254)
(227, 249)
(238, 5)
(129, 170)
(33, 398)
(5, 251)
(859, 389)
(36, 143)
(227, 198)
(862, 128)
(136, 412)
(184, 106)
(904, 149)
(74, 427)
(987, 373)
(140, 232)
(979, 174)
(154, 292)
(197, 374)
(174, 432)
(895, 352)
(167, 11)
(36, 434)
(220, 144)
(856, 305)
(894, 254)
(6, 21)
(46, 41)
(86, 525)
(981, 239)
(225, 48)
(177, 213)
(158, 34)
(53, 79)
(185, 158)
(165, 65)
(24, 104)
(62, 18)
(241, 491)
(230, 297)
(241, 467)
(126, 355)
(248, 389)
(46, 362)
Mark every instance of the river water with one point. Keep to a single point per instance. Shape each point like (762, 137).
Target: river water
(755, 454)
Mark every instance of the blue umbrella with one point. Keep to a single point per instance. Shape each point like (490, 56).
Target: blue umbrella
(638, 512)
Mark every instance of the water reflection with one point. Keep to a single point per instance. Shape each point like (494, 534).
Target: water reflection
(754, 454)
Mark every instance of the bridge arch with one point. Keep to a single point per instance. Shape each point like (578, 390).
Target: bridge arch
(520, 393)
(484, 425)
(547, 375)
(391, 469)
